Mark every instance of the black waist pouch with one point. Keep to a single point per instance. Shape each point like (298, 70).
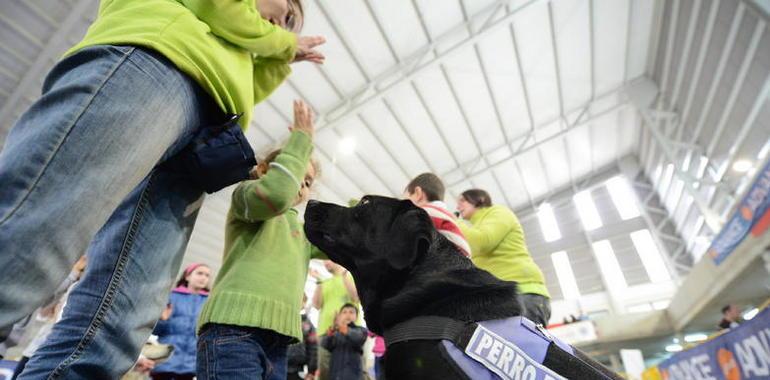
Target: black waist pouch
(217, 157)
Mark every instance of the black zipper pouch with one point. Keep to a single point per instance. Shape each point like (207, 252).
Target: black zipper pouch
(217, 157)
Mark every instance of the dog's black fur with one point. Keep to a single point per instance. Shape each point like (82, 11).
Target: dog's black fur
(403, 268)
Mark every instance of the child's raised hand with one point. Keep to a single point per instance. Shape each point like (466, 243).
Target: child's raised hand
(166, 314)
(303, 118)
(306, 49)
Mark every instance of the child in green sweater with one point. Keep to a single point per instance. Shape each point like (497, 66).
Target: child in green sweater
(252, 313)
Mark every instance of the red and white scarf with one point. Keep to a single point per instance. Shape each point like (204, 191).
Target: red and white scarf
(446, 224)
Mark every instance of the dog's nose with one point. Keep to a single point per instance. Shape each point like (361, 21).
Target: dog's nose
(313, 211)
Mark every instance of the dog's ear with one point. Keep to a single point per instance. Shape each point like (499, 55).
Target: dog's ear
(412, 235)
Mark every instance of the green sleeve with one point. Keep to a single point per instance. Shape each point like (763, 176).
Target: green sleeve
(268, 75)
(316, 253)
(487, 234)
(276, 191)
(239, 23)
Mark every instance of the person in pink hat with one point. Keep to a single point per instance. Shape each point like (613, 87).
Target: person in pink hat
(177, 323)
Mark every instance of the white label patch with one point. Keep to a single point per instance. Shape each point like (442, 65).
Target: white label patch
(505, 358)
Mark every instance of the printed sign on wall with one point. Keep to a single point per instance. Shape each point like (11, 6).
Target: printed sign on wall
(743, 353)
(752, 216)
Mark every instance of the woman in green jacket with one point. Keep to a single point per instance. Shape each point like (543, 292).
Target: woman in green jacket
(498, 246)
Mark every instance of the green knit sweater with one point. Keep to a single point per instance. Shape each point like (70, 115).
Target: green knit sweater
(266, 253)
(498, 246)
(238, 57)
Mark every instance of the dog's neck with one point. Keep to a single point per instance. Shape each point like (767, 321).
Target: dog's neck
(444, 283)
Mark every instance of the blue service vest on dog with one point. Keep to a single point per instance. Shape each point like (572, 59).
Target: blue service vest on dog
(512, 348)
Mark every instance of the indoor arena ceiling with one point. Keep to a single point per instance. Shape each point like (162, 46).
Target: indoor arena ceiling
(522, 98)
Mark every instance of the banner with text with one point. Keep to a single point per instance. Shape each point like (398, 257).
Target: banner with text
(743, 353)
(752, 216)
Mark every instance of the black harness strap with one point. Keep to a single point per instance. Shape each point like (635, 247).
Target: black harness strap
(431, 328)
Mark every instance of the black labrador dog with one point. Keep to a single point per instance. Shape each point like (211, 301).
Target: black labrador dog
(404, 268)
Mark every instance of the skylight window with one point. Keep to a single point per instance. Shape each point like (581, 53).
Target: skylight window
(608, 264)
(564, 274)
(650, 255)
(623, 197)
(587, 210)
(665, 182)
(548, 224)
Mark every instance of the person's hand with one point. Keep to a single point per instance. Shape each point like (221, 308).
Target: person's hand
(303, 118)
(306, 49)
(314, 273)
(80, 265)
(144, 365)
(342, 325)
(166, 314)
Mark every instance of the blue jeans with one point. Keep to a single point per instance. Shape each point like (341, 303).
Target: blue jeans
(234, 352)
(80, 173)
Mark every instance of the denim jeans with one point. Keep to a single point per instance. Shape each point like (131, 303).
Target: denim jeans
(80, 173)
(233, 352)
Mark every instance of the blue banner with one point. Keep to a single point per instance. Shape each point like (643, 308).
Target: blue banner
(743, 353)
(752, 213)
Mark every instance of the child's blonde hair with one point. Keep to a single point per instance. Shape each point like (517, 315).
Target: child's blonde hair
(296, 17)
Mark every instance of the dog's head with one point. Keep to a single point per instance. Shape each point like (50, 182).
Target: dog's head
(379, 232)
(378, 241)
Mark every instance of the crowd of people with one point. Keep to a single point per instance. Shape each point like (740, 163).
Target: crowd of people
(85, 170)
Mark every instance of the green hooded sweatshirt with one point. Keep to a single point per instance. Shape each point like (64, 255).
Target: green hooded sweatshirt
(238, 57)
(498, 246)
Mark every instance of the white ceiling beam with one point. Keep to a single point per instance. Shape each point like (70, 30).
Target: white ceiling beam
(376, 88)
(522, 78)
(651, 156)
(762, 13)
(558, 199)
(414, 87)
(381, 29)
(717, 78)
(524, 148)
(50, 50)
(21, 30)
(759, 102)
(736, 88)
(685, 57)
(555, 51)
(680, 73)
(421, 98)
(663, 93)
(343, 40)
(713, 219)
(524, 183)
(515, 155)
(695, 80)
(384, 146)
